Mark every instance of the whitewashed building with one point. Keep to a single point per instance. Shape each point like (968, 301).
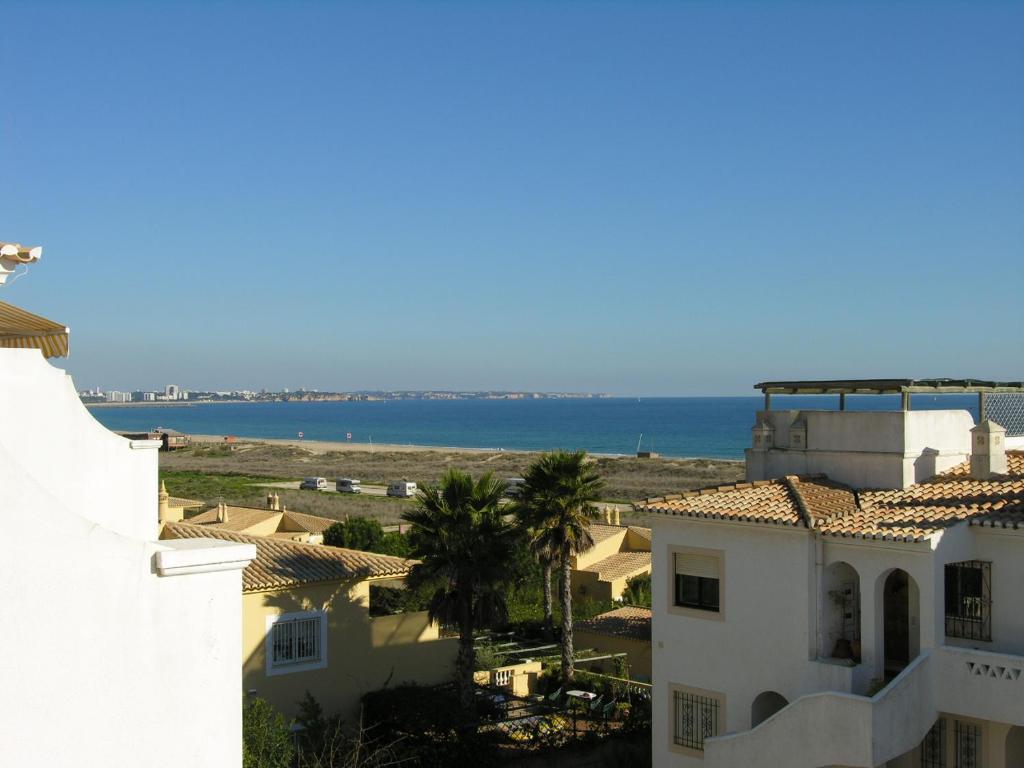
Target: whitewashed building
(802, 620)
(118, 649)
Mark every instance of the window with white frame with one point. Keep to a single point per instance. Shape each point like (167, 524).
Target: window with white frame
(296, 642)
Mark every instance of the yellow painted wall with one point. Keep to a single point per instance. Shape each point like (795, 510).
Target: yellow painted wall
(600, 550)
(638, 651)
(363, 653)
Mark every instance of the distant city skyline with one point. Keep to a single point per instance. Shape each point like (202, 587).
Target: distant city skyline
(637, 199)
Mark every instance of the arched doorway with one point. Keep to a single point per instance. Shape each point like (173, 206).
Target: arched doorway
(1015, 746)
(899, 621)
(765, 705)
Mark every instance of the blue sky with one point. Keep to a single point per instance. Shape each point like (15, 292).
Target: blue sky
(635, 198)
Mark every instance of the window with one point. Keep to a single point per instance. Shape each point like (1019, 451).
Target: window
(933, 748)
(296, 642)
(697, 581)
(695, 718)
(968, 745)
(969, 600)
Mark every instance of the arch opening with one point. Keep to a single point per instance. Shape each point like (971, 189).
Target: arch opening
(840, 634)
(900, 622)
(764, 706)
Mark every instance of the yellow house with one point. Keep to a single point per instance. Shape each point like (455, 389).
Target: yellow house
(275, 521)
(624, 630)
(620, 552)
(307, 624)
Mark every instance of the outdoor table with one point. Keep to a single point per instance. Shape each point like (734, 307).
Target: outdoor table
(579, 696)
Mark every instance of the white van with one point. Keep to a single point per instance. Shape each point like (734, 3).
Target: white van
(347, 485)
(313, 484)
(403, 489)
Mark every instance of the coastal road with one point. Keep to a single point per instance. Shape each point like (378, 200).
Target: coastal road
(382, 490)
(293, 485)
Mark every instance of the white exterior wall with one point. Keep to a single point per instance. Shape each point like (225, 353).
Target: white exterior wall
(106, 661)
(864, 449)
(765, 642)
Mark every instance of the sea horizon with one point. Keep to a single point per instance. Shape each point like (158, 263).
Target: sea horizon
(714, 427)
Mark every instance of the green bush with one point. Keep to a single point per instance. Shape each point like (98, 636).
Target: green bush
(266, 741)
(638, 591)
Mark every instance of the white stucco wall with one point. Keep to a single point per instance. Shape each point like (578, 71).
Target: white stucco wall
(865, 449)
(105, 661)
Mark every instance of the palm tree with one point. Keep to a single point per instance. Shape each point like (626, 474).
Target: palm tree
(561, 489)
(464, 546)
(529, 510)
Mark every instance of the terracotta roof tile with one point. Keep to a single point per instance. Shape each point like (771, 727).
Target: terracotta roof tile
(909, 514)
(177, 501)
(240, 518)
(281, 563)
(601, 532)
(620, 564)
(630, 622)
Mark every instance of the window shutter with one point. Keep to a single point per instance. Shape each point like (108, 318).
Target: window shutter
(705, 566)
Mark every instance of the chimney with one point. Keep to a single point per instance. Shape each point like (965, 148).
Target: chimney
(617, 519)
(764, 435)
(166, 513)
(222, 512)
(277, 502)
(270, 500)
(608, 515)
(988, 450)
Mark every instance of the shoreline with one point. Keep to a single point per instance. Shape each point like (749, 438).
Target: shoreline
(330, 446)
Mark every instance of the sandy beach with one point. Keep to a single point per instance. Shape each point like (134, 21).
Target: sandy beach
(329, 446)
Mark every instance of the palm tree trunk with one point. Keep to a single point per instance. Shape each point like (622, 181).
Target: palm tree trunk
(549, 620)
(465, 659)
(567, 649)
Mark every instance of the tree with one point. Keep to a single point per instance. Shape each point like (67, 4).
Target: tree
(562, 489)
(463, 542)
(530, 512)
(266, 740)
(362, 533)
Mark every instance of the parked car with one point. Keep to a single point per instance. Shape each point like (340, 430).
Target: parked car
(403, 489)
(313, 484)
(347, 485)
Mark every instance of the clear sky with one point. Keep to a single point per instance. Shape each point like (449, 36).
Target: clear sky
(635, 198)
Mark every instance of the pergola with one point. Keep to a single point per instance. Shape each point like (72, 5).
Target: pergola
(903, 387)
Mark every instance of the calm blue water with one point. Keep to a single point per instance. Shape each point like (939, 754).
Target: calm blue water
(717, 427)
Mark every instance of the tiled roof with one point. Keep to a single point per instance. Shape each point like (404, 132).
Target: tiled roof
(643, 533)
(175, 501)
(241, 518)
(908, 514)
(634, 623)
(601, 532)
(281, 563)
(310, 523)
(620, 564)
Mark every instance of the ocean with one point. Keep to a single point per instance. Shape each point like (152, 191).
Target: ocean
(712, 427)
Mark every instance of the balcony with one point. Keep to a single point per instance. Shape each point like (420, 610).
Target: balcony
(832, 728)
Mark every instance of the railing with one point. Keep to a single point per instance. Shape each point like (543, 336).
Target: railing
(988, 686)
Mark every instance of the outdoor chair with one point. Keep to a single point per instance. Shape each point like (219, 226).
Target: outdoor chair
(556, 697)
(595, 705)
(608, 710)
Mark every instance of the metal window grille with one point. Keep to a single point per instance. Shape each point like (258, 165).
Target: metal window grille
(296, 640)
(969, 600)
(968, 745)
(933, 748)
(1006, 410)
(696, 719)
